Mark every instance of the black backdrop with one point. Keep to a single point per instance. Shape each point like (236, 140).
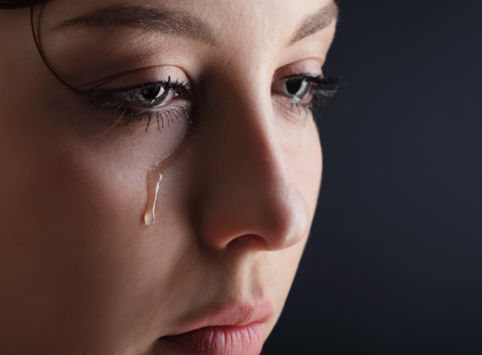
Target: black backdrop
(394, 261)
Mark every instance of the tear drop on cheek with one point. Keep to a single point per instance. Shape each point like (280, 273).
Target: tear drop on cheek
(173, 144)
(154, 178)
(150, 212)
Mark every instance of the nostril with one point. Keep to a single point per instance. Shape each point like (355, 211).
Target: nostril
(248, 241)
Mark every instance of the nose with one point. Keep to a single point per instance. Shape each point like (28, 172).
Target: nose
(247, 196)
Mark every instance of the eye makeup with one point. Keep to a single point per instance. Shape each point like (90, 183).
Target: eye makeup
(306, 91)
(159, 100)
(165, 101)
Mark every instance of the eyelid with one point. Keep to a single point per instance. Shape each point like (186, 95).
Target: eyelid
(308, 65)
(304, 75)
(169, 84)
(132, 78)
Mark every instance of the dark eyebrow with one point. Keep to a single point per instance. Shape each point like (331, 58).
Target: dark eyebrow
(316, 22)
(144, 17)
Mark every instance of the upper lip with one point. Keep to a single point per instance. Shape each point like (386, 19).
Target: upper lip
(235, 314)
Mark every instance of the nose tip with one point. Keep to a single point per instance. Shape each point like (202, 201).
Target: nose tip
(282, 227)
(286, 215)
(260, 217)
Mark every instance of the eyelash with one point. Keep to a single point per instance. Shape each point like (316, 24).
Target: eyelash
(117, 100)
(322, 90)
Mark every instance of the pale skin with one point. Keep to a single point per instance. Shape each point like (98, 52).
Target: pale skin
(80, 272)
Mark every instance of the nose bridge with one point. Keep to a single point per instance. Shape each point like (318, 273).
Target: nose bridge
(248, 194)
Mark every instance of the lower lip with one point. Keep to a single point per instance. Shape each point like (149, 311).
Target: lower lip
(246, 340)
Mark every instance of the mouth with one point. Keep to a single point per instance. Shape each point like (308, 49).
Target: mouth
(237, 329)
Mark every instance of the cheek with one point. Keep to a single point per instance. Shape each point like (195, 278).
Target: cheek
(304, 157)
(67, 229)
(71, 233)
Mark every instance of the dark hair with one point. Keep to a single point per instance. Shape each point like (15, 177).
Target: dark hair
(16, 4)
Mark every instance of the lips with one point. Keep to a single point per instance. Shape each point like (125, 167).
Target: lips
(236, 329)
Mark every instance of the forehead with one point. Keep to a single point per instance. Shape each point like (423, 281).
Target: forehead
(263, 20)
(254, 35)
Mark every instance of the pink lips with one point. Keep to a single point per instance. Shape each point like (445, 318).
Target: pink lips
(234, 330)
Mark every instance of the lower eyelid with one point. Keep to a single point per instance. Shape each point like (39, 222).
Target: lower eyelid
(294, 111)
(124, 113)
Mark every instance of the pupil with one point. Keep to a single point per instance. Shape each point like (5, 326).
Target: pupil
(151, 93)
(294, 86)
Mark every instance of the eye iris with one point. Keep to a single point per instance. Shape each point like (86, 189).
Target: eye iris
(151, 93)
(296, 88)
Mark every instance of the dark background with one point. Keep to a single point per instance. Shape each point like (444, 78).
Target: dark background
(394, 261)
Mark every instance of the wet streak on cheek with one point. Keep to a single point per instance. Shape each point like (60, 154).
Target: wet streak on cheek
(156, 173)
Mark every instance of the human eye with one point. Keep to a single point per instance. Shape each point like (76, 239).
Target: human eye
(305, 91)
(163, 101)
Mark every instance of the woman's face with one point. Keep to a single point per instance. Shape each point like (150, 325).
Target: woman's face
(129, 213)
